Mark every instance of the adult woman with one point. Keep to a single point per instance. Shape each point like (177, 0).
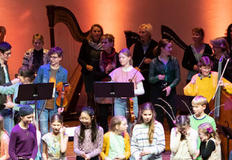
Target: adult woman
(37, 56)
(194, 52)
(221, 53)
(108, 62)
(89, 60)
(164, 75)
(143, 50)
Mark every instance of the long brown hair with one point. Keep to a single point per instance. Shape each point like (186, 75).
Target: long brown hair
(91, 29)
(148, 106)
(162, 43)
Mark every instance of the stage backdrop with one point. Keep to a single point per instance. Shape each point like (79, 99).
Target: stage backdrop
(23, 18)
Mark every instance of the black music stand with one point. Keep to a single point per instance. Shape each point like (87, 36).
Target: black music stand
(30, 92)
(114, 89)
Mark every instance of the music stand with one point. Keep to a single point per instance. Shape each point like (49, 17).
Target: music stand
(39, 91)
(113, 89)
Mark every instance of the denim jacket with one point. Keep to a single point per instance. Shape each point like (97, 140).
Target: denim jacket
(43, 76)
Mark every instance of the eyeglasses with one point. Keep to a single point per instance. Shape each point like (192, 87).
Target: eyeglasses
(54, 57)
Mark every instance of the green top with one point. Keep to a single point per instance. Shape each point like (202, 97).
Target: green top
(171, 71)
(117, 146)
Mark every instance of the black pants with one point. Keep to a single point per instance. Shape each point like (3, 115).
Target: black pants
(103, 111)
(146, 96)
(171, 108)
(81, 158)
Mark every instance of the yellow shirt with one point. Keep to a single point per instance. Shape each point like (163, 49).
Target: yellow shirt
(206, 86)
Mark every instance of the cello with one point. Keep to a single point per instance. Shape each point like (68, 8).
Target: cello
(221, 104)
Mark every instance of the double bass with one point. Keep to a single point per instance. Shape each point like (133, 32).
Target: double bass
(222, 107)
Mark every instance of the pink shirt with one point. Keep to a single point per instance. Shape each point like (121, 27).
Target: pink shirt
(118, 75)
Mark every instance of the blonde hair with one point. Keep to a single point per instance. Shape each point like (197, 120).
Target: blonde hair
(207, 129)
(199, 100)
(116, 120)
(146, 27)
(38, 36)
(110, 37)
(126, 52)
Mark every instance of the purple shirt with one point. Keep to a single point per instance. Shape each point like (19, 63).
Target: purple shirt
(23, 142)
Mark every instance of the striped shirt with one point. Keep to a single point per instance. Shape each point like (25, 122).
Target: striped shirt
(140, 141)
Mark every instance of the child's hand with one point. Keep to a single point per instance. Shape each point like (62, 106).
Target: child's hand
(16, 80)
(62, 130)
(60, 110)
(83, 155)
(221, 83)
(193, 80)
(119, 157)
(144, 153)
(9, 105)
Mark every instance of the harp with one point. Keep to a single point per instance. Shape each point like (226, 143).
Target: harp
(166, 32)
(57, 14)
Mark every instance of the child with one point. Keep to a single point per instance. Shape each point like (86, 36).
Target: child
(205, 82)
(116, 142)
(148, 139)
(183, 140)
(210, 148)
(127, 73)
(52, 72)
(55, 142)
(88, 137)
(23, 142)
(4, 141)
(25, 76)
(199, 104)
